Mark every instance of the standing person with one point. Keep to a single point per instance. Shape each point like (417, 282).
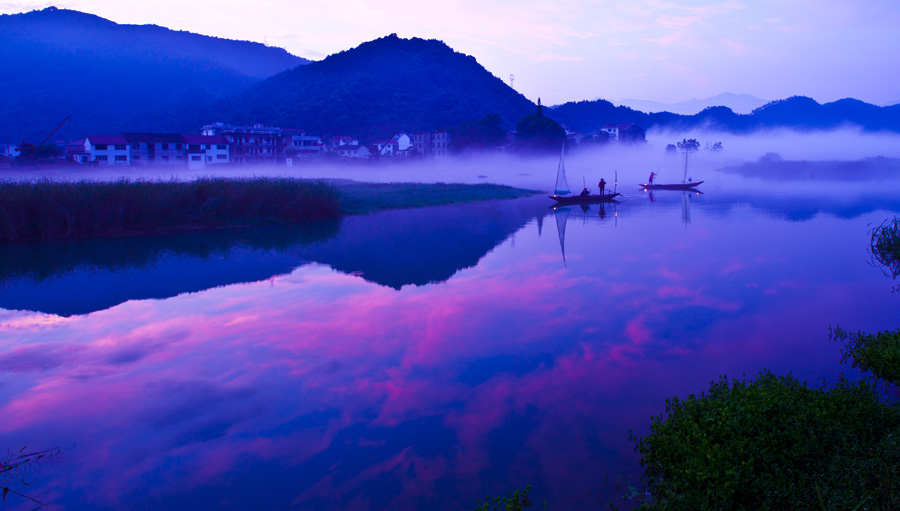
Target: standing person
(601, 185)
(652, 174)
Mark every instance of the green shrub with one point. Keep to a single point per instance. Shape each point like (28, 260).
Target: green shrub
(878, 353)
(774, 443)
(514, 502)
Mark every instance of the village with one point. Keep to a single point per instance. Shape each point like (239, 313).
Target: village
(257, 144)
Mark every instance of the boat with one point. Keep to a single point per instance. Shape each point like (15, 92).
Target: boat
(684, 184)
(689, 185)
(591, 198)
(562, 194)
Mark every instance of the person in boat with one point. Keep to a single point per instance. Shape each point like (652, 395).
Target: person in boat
(602, 186)
(585, 192)
(652, 175)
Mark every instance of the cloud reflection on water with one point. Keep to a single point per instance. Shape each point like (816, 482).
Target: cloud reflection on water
(322, 389)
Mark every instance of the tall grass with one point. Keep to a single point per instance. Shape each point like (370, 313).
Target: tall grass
(45, 210)
(885, 246)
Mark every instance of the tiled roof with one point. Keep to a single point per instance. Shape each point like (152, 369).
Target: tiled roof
(173, 138)
(205, 139)
(107, 139)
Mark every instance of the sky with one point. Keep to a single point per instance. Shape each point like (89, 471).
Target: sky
(572, 50)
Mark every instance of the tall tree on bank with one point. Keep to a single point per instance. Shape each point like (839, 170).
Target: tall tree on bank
(534, 132)
(486, 133)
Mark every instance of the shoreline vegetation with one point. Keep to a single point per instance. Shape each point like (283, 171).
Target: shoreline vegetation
(45, 210)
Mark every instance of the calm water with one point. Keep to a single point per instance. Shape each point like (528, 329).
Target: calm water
(420, 359)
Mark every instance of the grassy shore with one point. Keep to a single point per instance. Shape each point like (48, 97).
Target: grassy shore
(363, 198)
(46, 210)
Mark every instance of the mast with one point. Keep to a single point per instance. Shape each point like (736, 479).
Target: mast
(562, 186)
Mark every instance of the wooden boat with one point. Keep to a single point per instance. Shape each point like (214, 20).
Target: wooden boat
(585, 199)
(689, 185)
(562, 194)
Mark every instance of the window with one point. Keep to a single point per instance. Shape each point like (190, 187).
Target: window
(137, 146)
(165, 147)
(121, 147)
(121, 157)
(221, 157)
(208, 147)
(221, 146)
(209, 158)
(195, 157)
(100, 147)
(179, 147)
(102, 157)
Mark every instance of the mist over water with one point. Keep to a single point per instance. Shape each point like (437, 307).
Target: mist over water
(585, 164)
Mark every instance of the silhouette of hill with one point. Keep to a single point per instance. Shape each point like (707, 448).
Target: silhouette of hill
(740, 103)
(796, 112)
(378, 89)
(112, 77)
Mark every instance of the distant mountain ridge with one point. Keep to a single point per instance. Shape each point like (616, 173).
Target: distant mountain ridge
(739, 103)
(112, 78)
(797, 112)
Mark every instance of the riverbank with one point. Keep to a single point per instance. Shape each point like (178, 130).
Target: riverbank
(47, 210)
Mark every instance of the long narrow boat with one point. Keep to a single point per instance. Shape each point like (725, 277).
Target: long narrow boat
(562, 194)
(585, 199)
(690, 185)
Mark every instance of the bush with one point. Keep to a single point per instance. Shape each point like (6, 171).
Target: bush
(878, 353)
(774, 443)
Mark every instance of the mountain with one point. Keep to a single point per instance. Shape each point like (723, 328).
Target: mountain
(110, 77)
(377, 89)
(739, 103)
(797, 112)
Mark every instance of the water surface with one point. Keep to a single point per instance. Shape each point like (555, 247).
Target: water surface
(421, 359)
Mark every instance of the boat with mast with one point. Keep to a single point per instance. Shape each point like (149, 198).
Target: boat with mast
(562, 194)
(687, 147)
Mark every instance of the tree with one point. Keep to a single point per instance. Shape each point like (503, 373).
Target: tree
(688, 145)
(480, 134)
(538, 133)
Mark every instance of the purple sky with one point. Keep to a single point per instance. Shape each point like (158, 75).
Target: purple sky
(563, 50)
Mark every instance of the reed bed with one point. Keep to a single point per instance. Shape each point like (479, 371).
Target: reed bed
(46, 210)
(885, 246)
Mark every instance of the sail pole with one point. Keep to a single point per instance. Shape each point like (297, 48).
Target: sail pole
(562, 185)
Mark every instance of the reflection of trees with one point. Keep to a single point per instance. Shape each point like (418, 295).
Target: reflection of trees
(885, 246)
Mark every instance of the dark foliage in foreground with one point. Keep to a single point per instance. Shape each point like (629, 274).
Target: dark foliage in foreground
(45, 210)
(516, 501)
(774, 443)
(878, 354)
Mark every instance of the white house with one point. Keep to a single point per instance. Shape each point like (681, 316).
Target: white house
(388, 147)
(306, 145)
(106, 150)
(207, 149)
(612, 130)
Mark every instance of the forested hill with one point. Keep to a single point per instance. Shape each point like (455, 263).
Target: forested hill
(111, 78)
(797, 112)
(378, 89)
